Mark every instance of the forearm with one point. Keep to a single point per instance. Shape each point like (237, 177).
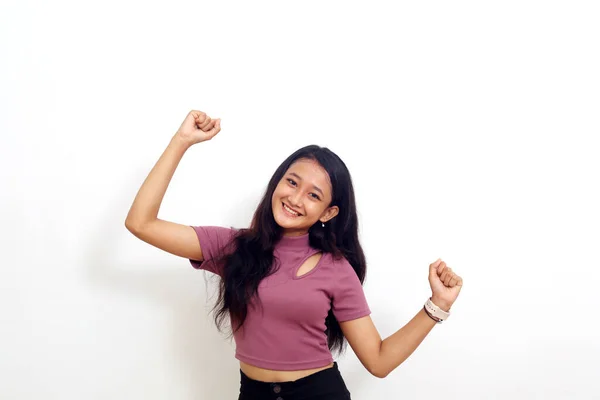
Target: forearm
(398, 347)
(147, 202)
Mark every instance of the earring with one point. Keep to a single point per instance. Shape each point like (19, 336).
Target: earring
(323, 224)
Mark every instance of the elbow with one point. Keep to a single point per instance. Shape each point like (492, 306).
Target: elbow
(132, 226)
(378, 372)
(129, 225)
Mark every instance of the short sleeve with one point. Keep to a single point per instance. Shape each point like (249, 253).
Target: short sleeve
(349, 301)
(215, 241)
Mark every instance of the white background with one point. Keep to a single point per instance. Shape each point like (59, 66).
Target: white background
(470, 130)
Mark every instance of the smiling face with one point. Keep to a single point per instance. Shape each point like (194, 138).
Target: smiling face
(302, 197)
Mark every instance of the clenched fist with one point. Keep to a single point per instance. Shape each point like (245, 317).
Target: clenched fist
(198, 127)
(445, 284)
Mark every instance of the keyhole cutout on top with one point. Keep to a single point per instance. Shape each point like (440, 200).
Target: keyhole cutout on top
(308, 265)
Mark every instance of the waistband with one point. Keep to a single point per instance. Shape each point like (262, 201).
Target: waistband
(260, 385)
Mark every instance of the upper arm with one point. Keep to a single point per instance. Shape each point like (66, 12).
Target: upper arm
(348, 299)
(171, 237)
(363, 337)
(350, 308)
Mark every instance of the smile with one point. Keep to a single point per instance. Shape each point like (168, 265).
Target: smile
(290, 212)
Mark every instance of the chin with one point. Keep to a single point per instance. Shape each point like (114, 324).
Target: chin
(283, 222)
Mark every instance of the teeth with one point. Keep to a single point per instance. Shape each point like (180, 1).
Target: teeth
(290, 210)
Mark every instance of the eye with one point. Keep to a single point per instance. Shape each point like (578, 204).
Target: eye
(315, 196)
(291, 181)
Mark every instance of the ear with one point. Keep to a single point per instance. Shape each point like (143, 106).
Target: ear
(329, 213)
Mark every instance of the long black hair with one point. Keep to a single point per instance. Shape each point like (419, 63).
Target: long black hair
(253, 259)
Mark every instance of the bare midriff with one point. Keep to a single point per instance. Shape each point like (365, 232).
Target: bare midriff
(268, 375)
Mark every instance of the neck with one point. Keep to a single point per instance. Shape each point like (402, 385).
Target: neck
(296, 241)
(292, 233)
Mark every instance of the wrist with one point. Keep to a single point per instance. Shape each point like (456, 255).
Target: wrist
(181, 143)
(436, 312)
(444, 305)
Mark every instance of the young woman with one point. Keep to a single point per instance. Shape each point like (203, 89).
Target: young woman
(291, 283)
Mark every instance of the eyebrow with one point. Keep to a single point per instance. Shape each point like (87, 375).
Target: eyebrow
(314, 186)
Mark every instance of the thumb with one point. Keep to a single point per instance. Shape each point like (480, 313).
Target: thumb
(190, 120)
(433, 268)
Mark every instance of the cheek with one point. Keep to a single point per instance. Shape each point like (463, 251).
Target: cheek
(277, 193)
(283, 190)
(314, 210)
(280, 191)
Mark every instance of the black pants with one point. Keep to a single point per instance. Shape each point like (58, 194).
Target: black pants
(323, 385)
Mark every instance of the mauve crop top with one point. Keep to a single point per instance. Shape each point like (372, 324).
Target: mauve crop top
(288, 333)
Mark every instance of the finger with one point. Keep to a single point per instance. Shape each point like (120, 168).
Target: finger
(448, 279)
(444, 275)
(441, 268)
(449, 276)
(199, 117)
(453, 281)
(433, 268)
(205, 123)
(216, 129)
(201, 120)
(447, 271)
(210, 125)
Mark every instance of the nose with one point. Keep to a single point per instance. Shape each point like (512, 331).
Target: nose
(295, 199)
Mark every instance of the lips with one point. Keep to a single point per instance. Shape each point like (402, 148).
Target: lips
(284, 209)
